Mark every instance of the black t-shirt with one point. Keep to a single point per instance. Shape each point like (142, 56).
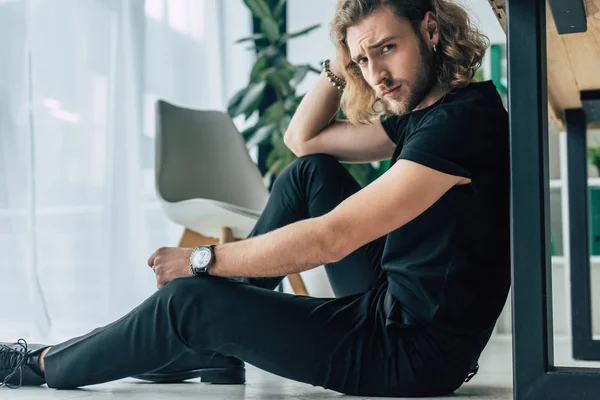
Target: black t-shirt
(451, 264)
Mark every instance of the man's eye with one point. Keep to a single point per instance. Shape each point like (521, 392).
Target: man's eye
(388, 46)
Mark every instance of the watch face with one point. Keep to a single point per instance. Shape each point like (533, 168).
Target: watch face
(201, 258)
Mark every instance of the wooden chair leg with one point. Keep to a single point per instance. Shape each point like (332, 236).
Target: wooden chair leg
(192, 239)
(226, 235)
(298, 284)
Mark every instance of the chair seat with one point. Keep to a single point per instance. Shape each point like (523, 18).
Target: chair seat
(207, 217)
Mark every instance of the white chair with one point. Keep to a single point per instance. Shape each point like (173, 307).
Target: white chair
(205, 178)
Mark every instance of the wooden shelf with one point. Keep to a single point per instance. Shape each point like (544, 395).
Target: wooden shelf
(573, 60)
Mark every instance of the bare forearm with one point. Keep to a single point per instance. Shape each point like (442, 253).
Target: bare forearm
(316, 111)
(291, 249)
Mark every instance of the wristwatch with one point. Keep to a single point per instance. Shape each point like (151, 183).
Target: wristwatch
(202, 257)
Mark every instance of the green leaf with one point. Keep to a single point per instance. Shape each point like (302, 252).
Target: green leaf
(272, 114)
(259, 66)
(279, 83)
(248, 38)
(284, 76)
(291, 103)
(594, 155)
(272, 72)
(288, 69)
(313, 69)
(289, 36)
(269, 51)
(270, 28)
(249, 101)
(260, 135)
(360, 172)
(273, 163)
(248, 132)
(284, 122)
(267, 179)
(252, 108)
(276, 162)
(278, 12)
(479, 75)
(300, 74)
(235, 100)
(259, 8)
(265, 74)
(280, 157)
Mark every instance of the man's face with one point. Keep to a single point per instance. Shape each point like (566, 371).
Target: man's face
(394, 60)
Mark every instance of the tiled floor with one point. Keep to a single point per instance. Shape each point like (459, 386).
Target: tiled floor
(490, 383)
(493, 382)
(260, 386)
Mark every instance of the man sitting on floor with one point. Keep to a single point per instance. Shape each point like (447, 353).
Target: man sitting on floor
(419, 259)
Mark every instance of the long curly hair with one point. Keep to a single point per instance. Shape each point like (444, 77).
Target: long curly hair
(459, 52)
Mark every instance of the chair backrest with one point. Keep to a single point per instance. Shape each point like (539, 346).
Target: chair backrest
(201, 155)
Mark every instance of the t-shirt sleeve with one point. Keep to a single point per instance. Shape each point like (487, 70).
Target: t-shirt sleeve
(445, 141)
(392, 126)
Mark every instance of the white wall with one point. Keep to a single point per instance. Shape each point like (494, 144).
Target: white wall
(483, 16)
(316, 46)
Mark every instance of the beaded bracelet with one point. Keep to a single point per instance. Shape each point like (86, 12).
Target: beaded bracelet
(337, 82)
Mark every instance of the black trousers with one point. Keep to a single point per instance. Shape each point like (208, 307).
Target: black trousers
(341, 343)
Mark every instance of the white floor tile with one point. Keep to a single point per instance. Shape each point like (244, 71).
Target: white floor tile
(493, 382)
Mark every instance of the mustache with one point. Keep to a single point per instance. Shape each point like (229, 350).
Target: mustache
(389, 84)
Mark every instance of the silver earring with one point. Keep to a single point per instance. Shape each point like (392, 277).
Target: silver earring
(434, 50)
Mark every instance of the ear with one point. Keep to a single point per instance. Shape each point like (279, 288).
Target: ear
(430, 29)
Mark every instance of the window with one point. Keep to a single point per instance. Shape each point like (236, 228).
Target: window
(183, 16)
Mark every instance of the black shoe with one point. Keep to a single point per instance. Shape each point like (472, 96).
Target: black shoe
(473, 372)
(19, 364)
(209, 366)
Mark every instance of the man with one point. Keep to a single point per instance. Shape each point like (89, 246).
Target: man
(418, 259)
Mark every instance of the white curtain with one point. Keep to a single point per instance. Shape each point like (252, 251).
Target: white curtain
(78, 211)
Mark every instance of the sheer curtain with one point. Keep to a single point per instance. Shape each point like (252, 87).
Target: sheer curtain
(78, 210)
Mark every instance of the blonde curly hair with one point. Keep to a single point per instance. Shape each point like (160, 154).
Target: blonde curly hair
(459, 52)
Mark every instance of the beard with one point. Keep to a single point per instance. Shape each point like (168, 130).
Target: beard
(418, 89)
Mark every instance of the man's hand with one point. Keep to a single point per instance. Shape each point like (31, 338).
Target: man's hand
(170, 263)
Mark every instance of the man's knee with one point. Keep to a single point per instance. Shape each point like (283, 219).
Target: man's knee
(181, 291)
(182, 284)
(309, 163)
(316, 160)
(194, 289)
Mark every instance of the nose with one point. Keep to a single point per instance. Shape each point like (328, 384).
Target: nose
(378, 74)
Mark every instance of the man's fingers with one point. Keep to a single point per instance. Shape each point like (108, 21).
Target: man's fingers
(159, 279)
(155, 259)
(151, 259)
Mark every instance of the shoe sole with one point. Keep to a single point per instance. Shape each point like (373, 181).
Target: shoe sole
(230, 375)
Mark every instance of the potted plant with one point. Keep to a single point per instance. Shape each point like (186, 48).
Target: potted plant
(273, 73)
(594, 156)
